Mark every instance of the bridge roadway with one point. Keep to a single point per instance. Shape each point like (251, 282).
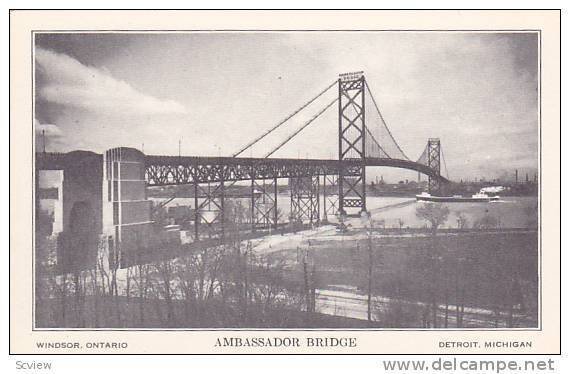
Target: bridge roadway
(173, 170)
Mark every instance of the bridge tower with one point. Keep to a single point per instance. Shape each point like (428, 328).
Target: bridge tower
(209, 213)
(352, 141)
(330, 200)
(434, 162)
(305, 198)
(264, 213)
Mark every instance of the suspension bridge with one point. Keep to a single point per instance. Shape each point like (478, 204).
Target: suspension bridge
(364, 140)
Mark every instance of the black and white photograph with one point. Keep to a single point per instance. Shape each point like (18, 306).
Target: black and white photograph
(381, 180)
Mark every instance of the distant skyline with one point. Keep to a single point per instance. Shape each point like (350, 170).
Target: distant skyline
(477, 92)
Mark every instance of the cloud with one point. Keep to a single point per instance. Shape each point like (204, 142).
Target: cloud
(49, 136)
(49, 130)
(68, 82)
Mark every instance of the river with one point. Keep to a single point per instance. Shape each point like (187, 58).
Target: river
(509, 212)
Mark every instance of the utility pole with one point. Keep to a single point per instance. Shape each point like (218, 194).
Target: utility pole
(306, 279)
(310, 284)
(246, 280)
(367, 220)
(179, 147)
(44, 140)
(369, 277)
(313, 289)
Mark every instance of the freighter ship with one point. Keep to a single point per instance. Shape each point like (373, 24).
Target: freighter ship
(479, 197)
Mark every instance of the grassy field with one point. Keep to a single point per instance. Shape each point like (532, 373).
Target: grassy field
(495, 271)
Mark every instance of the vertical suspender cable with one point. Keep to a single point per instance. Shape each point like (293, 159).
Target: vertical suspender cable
(384, 122)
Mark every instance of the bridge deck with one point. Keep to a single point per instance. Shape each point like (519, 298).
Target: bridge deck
(172, 170)
(165, 170)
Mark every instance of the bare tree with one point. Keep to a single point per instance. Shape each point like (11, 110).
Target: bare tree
(187, 274)
(486, 222)
(462, 221)
(396, 313)
(47, 282)
(215, 266)
(272, 292)
(400, 223)
(433, 213)
(95, 294)
(114, 289)
(459, 280)
(142, 282)
(164, 272)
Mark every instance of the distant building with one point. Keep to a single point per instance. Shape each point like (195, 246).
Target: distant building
(181, 214)
(50, 196)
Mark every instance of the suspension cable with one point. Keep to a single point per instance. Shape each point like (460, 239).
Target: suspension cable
(384, 122)
(444, 163)
(302, 127)
(283, 121)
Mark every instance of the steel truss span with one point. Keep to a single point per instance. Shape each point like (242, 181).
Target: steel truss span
(173, 170)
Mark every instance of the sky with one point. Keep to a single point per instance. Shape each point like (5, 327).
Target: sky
(216, 91)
